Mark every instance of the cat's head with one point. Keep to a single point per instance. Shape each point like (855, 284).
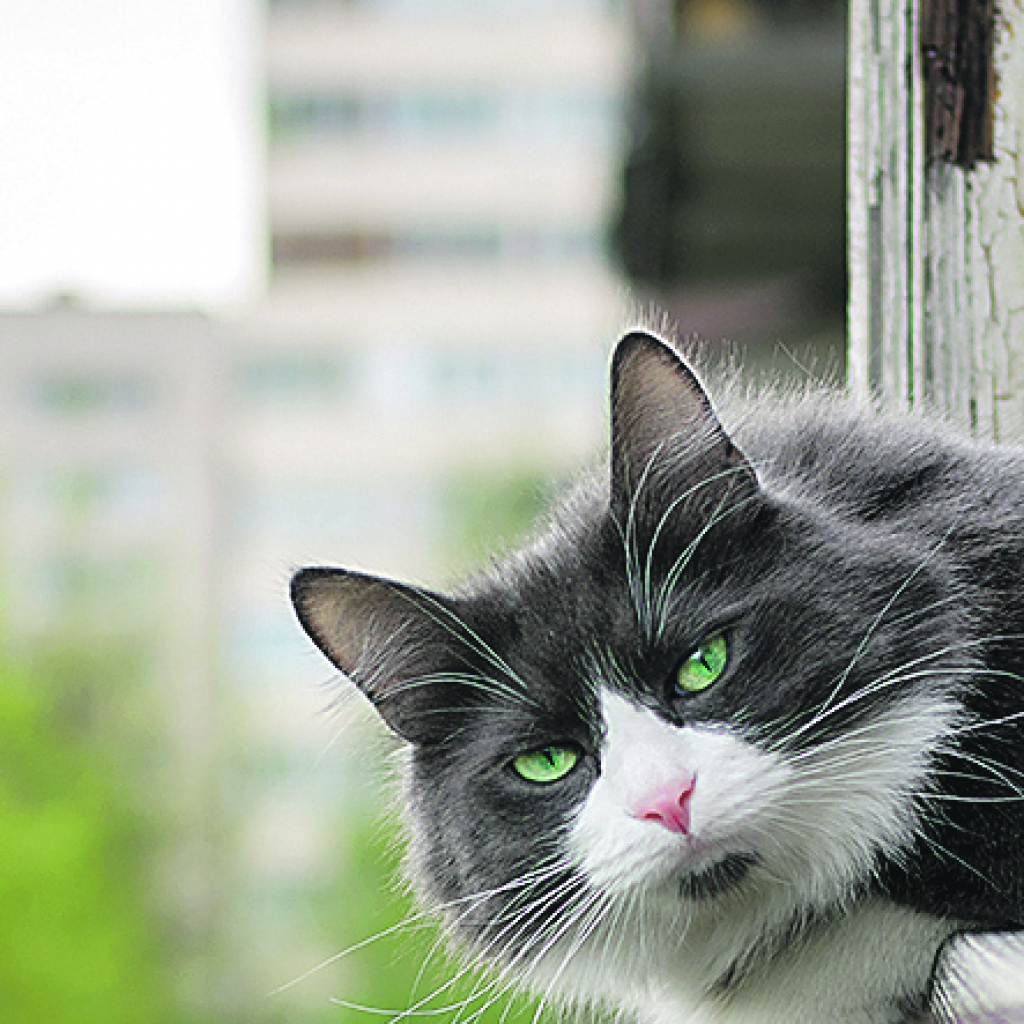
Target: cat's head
(693, 700)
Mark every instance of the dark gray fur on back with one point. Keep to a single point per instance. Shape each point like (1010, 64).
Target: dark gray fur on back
(912, 486)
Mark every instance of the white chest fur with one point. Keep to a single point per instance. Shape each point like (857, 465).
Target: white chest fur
(856, 970)
(803, 828)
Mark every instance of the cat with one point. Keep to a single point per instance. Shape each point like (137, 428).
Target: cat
(737, 736)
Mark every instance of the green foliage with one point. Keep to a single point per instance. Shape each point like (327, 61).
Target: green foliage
(488, 510)
(406, 963)
(76, 946)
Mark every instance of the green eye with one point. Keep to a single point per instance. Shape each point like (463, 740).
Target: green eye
(704, 665)
(549, 764)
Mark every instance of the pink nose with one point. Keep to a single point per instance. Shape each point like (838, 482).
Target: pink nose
(669, 807)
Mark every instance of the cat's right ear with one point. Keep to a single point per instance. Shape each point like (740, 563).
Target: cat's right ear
(387, 637)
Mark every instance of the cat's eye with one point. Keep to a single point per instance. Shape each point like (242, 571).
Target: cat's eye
(548, 764)
(702, 666)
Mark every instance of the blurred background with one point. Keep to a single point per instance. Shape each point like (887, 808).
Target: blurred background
(328, 281)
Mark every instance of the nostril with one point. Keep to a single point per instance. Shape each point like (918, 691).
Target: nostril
(669, 807)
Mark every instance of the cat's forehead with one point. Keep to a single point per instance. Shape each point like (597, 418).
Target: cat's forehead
(572, 618)
(560, 585)
(596, 580)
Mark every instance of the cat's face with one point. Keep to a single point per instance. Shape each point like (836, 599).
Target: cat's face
(690, 713)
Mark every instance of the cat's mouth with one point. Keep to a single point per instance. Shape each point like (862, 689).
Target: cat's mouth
(719, 878)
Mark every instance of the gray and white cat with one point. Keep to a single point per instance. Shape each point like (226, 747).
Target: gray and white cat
(738, 736)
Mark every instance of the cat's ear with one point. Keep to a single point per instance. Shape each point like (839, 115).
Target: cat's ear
(387, 637)
(661, 417)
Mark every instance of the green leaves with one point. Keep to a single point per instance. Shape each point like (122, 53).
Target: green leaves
(79, 943)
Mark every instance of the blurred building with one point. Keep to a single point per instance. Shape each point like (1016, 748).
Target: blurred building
(431, 347)
(110, 512)
(440, 181)
(732, 212)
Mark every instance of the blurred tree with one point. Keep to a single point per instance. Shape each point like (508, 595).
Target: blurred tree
(486, 512)
(76, 943)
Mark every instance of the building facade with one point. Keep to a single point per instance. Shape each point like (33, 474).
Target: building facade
(431, 347)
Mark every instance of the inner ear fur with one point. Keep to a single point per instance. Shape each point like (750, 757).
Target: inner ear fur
(662, 419)
(385, 636)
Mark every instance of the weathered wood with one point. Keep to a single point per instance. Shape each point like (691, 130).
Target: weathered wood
(957, 48)
(936, 249)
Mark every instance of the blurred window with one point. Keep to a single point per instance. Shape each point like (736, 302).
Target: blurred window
(500, 375)
(97, 503)
(543, 243)
(294, 378)
(555, 115)
(121, 495)
(512, 376)
(305, 509)
(352, 514)
(88, 545)
(472, 243)
(70, 393)
(108, 589)
(434, 7)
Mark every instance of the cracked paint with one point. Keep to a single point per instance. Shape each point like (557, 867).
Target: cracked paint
(997, 195)
(937, 273)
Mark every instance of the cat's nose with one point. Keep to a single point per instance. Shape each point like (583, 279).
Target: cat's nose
(669, 806)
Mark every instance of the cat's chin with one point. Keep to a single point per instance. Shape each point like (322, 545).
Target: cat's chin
(718, 879)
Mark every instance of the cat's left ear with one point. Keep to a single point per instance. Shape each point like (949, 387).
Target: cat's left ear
(662, 419)
(389, 638)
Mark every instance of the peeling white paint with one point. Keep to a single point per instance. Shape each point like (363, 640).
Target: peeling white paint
(936, 253)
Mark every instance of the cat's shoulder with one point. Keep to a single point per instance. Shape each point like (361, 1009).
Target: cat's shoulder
(825, 443)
